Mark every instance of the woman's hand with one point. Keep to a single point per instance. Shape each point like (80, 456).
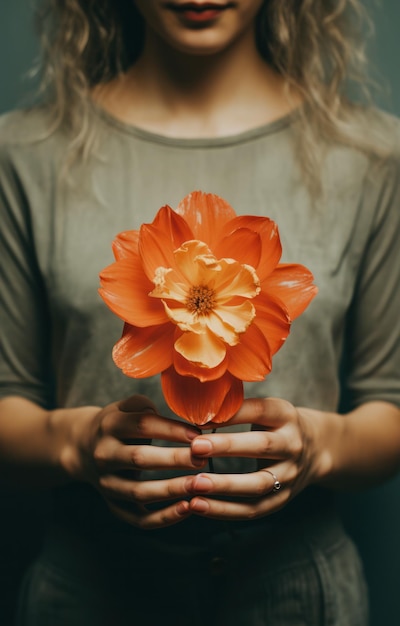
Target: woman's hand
(285, 440)
(111, 451)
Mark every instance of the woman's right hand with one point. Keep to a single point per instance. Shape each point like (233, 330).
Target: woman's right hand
(111, 450)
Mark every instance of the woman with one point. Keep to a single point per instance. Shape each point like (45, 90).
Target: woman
(146, 102)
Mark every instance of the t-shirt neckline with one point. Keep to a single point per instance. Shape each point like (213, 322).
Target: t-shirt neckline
(196, 142)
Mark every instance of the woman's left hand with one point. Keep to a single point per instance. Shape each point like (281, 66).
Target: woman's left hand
(284, 440)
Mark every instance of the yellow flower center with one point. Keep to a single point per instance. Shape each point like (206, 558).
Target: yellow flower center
(208, 299)
(201, 300)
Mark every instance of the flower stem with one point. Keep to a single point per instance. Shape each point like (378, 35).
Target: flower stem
(211, 460)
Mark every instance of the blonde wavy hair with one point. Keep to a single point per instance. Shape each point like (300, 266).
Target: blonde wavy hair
(318, 46)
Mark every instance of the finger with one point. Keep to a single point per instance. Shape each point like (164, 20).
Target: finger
(148, 520)
(252, 444)
(267, 412)
(136, 404)
(253, 485)
(111, 455)
(228, 510)
(146, 491)
(145, 425)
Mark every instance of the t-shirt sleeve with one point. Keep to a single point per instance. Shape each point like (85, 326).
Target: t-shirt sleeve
(24, 319)
(373, 335)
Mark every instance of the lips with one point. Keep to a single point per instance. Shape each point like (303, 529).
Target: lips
(198, 6)
(198, 11)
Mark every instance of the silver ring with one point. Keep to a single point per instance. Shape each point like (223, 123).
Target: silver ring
(277, 484)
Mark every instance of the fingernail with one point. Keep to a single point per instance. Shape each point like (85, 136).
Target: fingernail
(192, 434)
(197, 462)
(201, 446)
(199, 505)
(182, 508)
(202, 483)
(188, 484)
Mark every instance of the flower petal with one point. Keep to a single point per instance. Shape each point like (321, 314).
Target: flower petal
(235, 279)
(232, 402)
(125, 244)
(227, 322)
(143, 352)
(204, 349)
(272, 318)
(158, 240)
(293, 285)
(186, 368)
(271, 249)
(173, 225)
(243, 245)
(168, 284)
(124, 288)
(198, 402)
(251, 358)
(186, 320)
(195, 262)
(155, 249)
(206, 215)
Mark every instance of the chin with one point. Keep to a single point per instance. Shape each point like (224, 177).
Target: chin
(208, 44)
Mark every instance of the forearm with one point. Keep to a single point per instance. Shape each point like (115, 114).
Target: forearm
(35, 443)
(95, 446)
(358, 449)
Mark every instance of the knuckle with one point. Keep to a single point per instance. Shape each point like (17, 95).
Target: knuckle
(172, 489)
(228, 443)
(144, 522)
(107, 424)
(262, 486)
(141, 522)
(100, 455)
(70, 461)
(164, 519)
(174, 430)
(135, 493)
(292, 473)
(253, 513)
(296, 445)
(135, 519)
(136, 457)
(181, 457)
(141, 426)
(261, 406)
(287, 410)
(167, 518)
(266, 446)
(104, 485)
(176, 457)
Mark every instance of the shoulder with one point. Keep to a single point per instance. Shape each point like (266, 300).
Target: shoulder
(20, 127)
(387, 124)
(382, 181)
(30, 157)
(382, 132)
(26, 139)
(369, 154)
(384, 164)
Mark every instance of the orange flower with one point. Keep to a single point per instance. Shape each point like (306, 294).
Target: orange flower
(205, 302)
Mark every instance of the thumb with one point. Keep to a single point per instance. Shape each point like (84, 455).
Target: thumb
(137, 404)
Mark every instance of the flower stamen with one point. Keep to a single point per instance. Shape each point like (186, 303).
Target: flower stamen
(201, 300)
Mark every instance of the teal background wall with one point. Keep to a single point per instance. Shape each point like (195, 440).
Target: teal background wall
(373, 517)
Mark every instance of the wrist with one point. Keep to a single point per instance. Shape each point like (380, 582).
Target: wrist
(327, 432)
(72, 430)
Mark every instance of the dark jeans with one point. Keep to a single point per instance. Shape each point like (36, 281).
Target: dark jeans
(303, 573)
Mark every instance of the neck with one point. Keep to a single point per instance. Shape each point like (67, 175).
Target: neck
(198, 95)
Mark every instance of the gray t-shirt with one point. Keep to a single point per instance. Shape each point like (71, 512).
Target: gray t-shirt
(56, 334)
